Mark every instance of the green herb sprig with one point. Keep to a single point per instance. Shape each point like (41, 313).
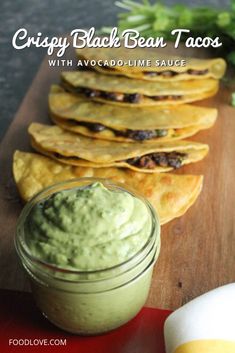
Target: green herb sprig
(159, 20)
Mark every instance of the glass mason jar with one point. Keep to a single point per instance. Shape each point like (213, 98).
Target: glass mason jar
(89, 302)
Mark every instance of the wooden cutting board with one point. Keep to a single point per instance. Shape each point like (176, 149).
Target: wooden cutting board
(198, 249)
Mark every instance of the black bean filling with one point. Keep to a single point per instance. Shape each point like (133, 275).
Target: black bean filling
(138, 135)
(167, 73)
(58, 155)
(161, 159)
(117, 96)
(149, 161)
(123, 97)
(171, 73)
(141, 135)
(95, 127)
(165, 98)
(112, 96)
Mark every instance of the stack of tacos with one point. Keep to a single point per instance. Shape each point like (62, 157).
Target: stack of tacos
(125, 123)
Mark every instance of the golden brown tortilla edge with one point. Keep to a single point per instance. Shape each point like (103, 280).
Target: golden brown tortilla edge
(192, 200)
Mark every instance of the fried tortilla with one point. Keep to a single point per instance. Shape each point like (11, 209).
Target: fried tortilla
(78, 150)
(159, 68)
(124, 91)
(170, 194)
(109, 122)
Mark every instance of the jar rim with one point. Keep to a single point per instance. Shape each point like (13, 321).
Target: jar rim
(23, 250)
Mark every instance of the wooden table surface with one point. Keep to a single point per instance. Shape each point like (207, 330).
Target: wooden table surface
(198, 249)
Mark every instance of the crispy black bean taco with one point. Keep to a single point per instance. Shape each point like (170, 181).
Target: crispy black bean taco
(123, 91)
(78, 150)
(172, 195)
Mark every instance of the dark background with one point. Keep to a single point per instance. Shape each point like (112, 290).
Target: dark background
(51, 17)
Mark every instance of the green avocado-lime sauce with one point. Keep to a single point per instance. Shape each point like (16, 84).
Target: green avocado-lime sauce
(88, 228)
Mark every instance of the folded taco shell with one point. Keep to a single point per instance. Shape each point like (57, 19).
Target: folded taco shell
(124, 91)
(172, 195)
(78, 150)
